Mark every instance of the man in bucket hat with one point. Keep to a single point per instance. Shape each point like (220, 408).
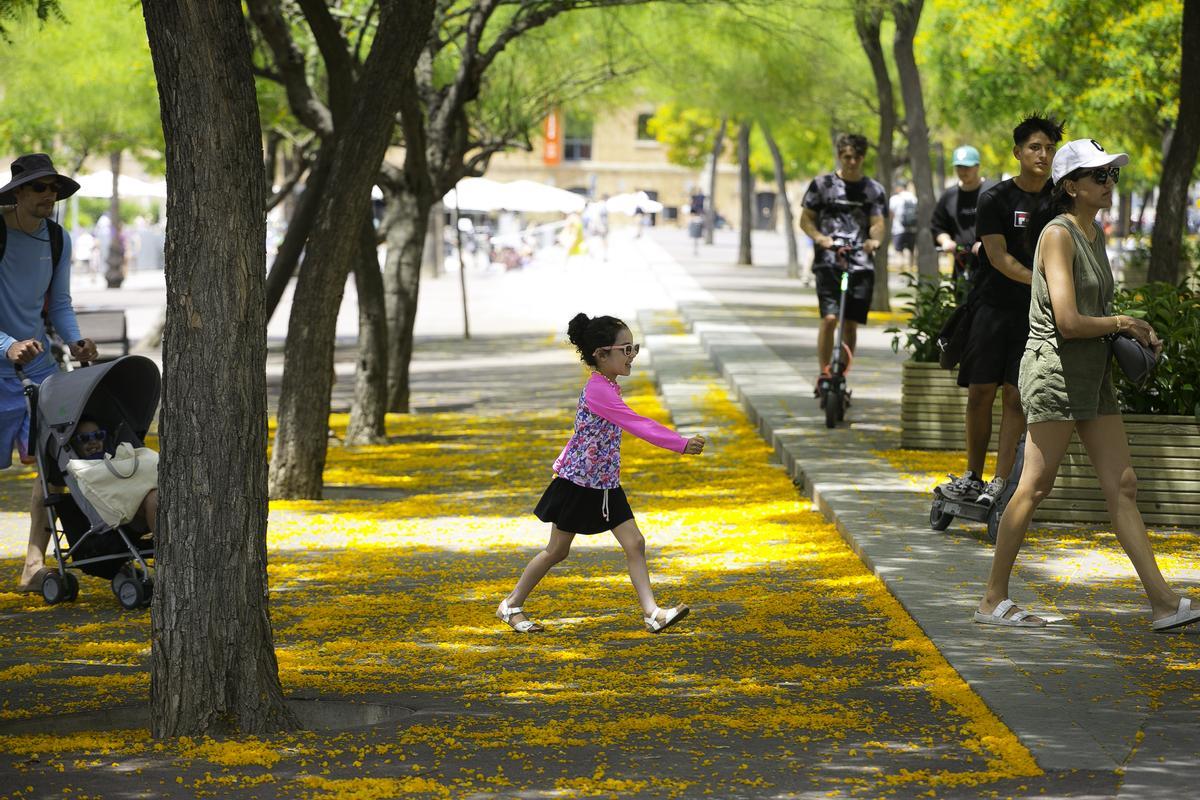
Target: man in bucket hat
(32, 284)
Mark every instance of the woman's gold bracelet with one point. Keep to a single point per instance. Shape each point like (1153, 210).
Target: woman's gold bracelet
(1118, 321)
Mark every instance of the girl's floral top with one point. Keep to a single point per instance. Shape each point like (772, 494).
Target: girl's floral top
(592, 457)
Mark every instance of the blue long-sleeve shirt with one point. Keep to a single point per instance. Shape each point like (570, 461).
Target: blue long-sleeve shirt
(25, 277)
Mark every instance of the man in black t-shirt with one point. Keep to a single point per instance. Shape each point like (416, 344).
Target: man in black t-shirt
(954, 216)
(1000, 296)
(848, 205)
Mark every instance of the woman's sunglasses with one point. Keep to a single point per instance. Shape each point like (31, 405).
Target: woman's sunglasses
(1101, 174)
(93, 436)
(627, 349)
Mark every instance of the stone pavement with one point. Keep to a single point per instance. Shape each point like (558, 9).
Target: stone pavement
(1096, 690)
(1079, 696)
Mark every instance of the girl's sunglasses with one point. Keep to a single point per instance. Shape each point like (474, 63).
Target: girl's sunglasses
(94, 436)
(1101, 174)
(627, 349)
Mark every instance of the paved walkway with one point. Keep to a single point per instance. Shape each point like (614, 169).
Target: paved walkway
(1095, 691)
(795, 678)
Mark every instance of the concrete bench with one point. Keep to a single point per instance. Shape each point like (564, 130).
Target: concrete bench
(105, 327)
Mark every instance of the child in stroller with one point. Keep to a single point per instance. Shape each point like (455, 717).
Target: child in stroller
(79, 415)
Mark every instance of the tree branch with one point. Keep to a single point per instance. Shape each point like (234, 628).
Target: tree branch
(340, 66)
(289, 60)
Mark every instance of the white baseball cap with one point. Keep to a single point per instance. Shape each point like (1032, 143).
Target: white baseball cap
(1083, 154)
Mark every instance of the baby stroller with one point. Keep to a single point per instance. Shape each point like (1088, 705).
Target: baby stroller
(122, 397)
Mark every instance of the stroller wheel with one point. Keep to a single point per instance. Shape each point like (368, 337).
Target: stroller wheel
(72, 588)
(54, 589)
(131, 595)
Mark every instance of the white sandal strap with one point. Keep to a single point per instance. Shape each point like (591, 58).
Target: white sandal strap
(1002, 608)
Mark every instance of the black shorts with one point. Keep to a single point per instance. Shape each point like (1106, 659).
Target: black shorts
(995, 346)
(577, 509)
(906, 240)
(829, 292)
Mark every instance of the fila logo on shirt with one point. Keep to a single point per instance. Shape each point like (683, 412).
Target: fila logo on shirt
(1020, 219)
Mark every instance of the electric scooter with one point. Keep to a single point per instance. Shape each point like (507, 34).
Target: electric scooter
(944, 509)
(832, 393)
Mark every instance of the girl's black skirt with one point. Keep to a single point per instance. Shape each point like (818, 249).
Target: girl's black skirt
(578, 509)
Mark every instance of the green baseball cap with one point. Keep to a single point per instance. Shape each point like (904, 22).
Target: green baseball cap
(966, 156)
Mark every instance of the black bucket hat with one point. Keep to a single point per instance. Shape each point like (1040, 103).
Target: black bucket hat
(30, 168)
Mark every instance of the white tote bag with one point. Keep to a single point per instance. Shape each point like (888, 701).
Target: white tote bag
(116, 485)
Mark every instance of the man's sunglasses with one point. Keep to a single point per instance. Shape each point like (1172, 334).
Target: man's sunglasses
(627, 349)
(38, 186)
(93, 436)
(1101, 174)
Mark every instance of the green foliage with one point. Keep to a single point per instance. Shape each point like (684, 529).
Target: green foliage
(1174, 312)
(80, 88)
(20, 10)
(1111, 68)
(688, 133)
(929, 304)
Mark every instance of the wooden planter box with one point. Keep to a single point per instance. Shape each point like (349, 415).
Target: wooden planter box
(1165, 449)
(933, 409)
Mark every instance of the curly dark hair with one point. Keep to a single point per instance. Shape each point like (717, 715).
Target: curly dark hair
(854, 140)
(590, 333)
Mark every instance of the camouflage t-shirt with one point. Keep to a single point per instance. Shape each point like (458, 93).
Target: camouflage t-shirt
(844, 209)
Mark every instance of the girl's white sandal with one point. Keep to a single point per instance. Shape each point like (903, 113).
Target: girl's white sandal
(506, 613)
(670, 617)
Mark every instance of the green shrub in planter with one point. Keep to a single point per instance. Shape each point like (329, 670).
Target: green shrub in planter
(930, 304)
(1174, 311)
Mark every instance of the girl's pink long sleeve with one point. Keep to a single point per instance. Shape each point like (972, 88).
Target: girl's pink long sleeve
(604, 401)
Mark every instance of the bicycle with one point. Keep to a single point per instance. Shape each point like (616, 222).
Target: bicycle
(832, 392)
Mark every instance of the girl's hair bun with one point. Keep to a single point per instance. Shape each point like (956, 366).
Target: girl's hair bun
(588, 334)
(577, 329)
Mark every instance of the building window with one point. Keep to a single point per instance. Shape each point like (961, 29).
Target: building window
(643, 128)
(577, 138)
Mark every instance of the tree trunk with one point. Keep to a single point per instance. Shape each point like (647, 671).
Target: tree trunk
(710, 211)
(746, 191)
(367, 415)
(213, 668)
(299, 226)
(405, 222)
(908, 16)
(793, 257)
(361, 137)
(114, 275)
(868, 18)
(1170, 216)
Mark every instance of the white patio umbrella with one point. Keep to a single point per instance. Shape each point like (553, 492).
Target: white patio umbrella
(629, 203)
(532, 197)
(99, 184)
(475, 194)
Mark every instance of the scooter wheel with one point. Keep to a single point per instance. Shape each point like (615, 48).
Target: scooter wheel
(833, 408)
(939, 519)
(993, 522)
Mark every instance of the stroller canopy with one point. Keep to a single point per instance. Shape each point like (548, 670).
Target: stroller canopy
(132, 383)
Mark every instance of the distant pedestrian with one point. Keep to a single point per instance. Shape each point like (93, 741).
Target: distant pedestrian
(585, 496)
(1066, 384)
(849, 205)
(903, 208)
(953, 223)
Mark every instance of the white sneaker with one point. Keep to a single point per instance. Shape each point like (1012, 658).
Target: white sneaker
(991, 493)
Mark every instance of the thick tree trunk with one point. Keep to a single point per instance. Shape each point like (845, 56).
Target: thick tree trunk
(785, 205)
(710, 210)
(908, 16)
(746, 192)
(361, 137)
(114, 274)
(405, 223)
(299, 226)
(868, 18)
(213, 668)
(367, 415)
(1167, 239)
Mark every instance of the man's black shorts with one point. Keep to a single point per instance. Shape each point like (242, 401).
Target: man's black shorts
(995, 346)
(858, 301)
(906, 240)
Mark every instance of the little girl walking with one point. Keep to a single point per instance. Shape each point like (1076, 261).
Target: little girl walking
(585, 496)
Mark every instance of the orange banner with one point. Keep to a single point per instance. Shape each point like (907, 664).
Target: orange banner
(552, 146)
